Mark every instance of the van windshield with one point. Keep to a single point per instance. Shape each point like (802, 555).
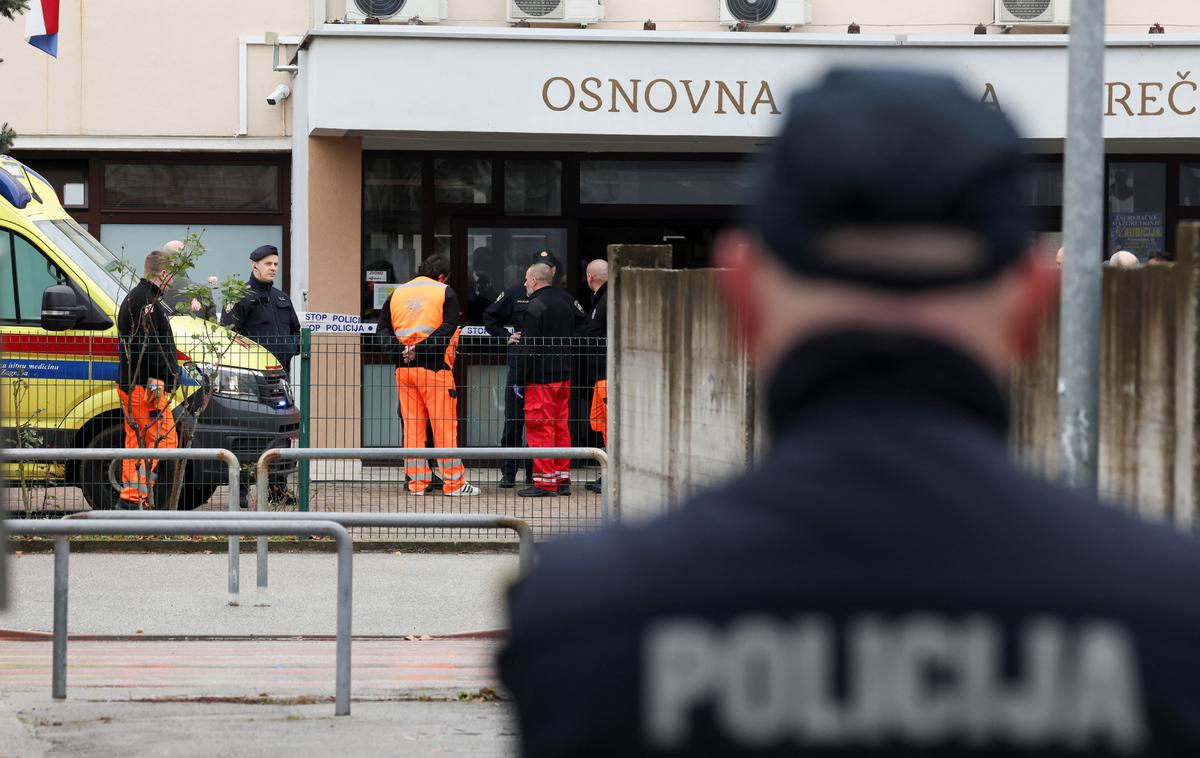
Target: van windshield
(102, 267)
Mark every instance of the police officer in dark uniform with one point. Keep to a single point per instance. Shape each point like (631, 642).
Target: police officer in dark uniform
(266, 316)
(507, 311)
(888, 581)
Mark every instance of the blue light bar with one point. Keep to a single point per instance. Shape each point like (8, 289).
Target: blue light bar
(13, 191)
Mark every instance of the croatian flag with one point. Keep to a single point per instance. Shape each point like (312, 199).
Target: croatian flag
(41, 25)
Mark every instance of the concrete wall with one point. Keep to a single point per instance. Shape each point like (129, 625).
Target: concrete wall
(683, 396)
(683, 416)
(1148, 411)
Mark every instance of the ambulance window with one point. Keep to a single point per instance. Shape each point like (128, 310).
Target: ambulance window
(34, 273)
(8, 292)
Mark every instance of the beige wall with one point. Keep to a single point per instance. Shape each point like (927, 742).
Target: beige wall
(147, 67)
(171, 67)
(334, 239)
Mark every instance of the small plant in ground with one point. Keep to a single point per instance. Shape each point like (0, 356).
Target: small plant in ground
(28, 436)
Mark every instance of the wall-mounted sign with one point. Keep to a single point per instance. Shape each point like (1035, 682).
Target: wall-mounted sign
(612, 84)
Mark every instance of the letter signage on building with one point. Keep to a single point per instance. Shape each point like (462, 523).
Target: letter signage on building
(464, 82)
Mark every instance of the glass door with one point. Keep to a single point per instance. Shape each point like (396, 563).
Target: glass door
(493, 255)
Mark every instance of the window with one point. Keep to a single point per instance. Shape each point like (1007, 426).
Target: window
(533, 188)
(24, 274)
(498, 256)
(1044, 185)
(8, 291)
(1189, 185)
(164, 186)
(462, 181)
(662, 183)
(391, 230)
(1137, 208)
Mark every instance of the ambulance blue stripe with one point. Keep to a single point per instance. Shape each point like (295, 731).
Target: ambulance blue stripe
(44, 368)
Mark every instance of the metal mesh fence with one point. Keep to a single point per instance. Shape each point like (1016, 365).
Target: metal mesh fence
(342, 390)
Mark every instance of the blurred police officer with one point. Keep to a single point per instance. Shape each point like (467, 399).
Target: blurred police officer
(506, 312)
(265, 314)
(888, 582)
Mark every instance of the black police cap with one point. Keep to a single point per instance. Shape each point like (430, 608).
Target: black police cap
(877, 150)
(262, 252)
(544, 256)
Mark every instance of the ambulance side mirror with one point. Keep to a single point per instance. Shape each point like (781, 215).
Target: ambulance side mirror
(61, 309)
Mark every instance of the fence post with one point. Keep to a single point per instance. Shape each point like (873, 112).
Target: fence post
(58, 669)
(305, 411)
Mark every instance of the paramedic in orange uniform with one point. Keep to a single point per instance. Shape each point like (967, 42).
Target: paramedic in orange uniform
(421, 318)
(149, 374)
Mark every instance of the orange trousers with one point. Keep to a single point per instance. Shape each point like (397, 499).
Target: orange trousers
(599, 411)
(148, 423)
(430, 397)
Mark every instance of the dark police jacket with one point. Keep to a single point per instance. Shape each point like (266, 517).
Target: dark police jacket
(886, 583)
(544, 353)
(509, 309)
(266, 316)
(146, 345)
(506, 311)
(594, 334)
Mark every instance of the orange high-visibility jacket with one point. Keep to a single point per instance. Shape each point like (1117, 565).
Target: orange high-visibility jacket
(417, 313)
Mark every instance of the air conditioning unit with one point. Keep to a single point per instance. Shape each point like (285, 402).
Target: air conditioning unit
(766, 12)
(395, 11)
(1033, 12)
(581, 12)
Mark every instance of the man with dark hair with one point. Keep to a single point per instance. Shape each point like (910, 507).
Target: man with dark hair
(148, 375)
(889, 582)
(421, 317)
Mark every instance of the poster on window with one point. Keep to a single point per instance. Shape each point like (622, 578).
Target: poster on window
(1139, 233)
(381, 292)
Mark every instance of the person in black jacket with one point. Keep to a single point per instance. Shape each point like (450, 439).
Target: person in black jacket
(543, 378)
(595, 334)
(503, 320)
(266, 314)
(147, 377)
(887, 582)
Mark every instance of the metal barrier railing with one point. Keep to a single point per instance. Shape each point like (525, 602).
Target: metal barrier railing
(349, 520)
(393, 453)
(63, 528)
(14, 455)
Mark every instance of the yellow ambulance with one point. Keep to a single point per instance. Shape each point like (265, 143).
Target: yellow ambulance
(59, 294)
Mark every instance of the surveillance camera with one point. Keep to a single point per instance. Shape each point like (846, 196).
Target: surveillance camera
(278, 95)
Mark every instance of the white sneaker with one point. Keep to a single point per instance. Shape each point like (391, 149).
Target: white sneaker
(416, 493)
(467, 490)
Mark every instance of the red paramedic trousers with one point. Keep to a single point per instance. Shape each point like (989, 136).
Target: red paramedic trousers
(546, 413)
